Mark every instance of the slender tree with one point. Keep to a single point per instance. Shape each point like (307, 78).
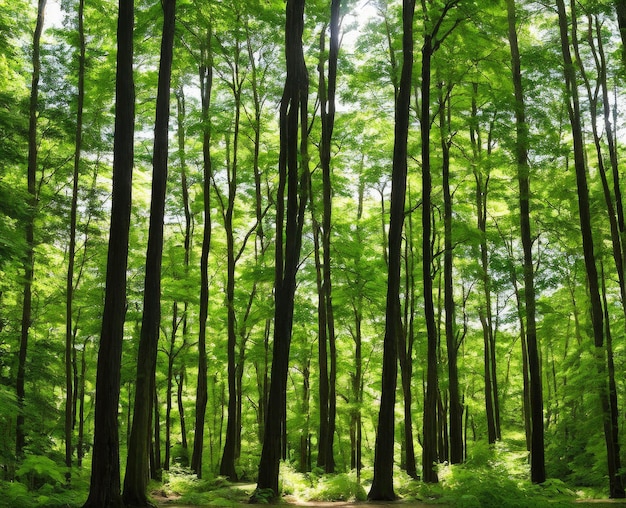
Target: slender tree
(382, 484)
(104, 489)
(293, 178)
(616, 481)
(70, 404)
(206, 85)
(432, 41)
(452, 339)
(327, 93)
(29, 259)
(537, 454)
(136, 479)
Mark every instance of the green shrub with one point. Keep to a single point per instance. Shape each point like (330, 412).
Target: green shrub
(338, 487)
(38, 470)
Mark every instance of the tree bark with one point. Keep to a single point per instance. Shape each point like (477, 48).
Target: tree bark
(136, 479)
(616, 482)
(206, 85)
(29, 259)
(452, 346)
(293, 178)
(382, 484)
(71, 255)
(537, 454)
(104, 488)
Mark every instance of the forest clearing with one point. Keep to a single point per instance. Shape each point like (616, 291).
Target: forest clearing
(310, 252)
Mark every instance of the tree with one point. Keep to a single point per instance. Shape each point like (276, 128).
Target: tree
(136, 479)
(382, 484)
(104, 489)
(206, 85)
(537, 460)
(69, 336)
(29, 259)
(616, 481)
(432, 41)
(293, 178)
(328, 398)
(453, 341)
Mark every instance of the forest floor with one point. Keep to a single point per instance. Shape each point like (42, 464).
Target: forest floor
(164, 500)
(170, 501)
(289, 501)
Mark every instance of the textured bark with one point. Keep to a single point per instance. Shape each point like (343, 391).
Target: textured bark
(136, 478)
(104, 489)
(382, 484)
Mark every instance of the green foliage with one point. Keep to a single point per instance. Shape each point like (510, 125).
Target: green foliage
(495, 477)
(38, 470)
(216, 491)
(337, 487)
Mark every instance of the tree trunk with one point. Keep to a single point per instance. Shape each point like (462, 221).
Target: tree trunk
(382, 484)
(136, 479)
(71, 255)
(452, 345)
(537, 455)
(616, 483)
(227, 465)
(104, 489)
(429, 450)
(180, 383)
(29, 259)
(206, 84)
(293, 177)
(327, 111)
(406, 341)
(485, 313)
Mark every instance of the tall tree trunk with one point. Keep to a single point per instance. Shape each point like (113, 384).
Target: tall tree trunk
(155, 444)
(80, 388)
(327, 111)
(452, 344)
(70, 405)
(206, 85)
(293, 178)
(227, 465)
(485, 313)
(180, 383)
(170, 384)
(432, 41)
(357, 336)
(382, 484)
(537, 454)
(136, 479)
(406, 341)
(29, 259)
(104, 489)
(616, 481)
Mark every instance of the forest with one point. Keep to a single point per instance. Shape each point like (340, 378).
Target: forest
(326, 250)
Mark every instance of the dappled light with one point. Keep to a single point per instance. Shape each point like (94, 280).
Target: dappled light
(312, 253)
